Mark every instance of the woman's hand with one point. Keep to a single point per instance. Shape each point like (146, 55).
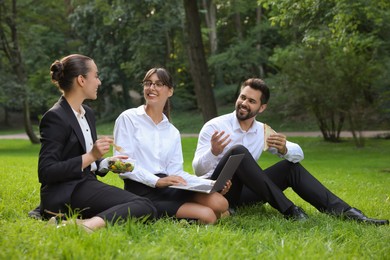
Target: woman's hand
(120, 156)
(226, 188)
(170, 180)
(101, 147)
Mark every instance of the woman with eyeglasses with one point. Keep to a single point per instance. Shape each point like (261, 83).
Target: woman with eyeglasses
(147, 136)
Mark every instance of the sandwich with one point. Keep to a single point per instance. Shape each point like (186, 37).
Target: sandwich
(267, 132)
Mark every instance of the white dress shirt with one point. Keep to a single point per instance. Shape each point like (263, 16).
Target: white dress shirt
(86, 133)
(156, 148)
(205, 162)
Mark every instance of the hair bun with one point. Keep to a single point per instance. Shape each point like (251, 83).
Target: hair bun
(57, 70)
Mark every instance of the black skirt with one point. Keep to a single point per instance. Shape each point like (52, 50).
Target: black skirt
(166, 200)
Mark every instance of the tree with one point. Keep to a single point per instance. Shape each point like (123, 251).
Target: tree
(9, 39)
(198, 64)
(34, 41)
(246, 40)
(334, 58)
(126, 38)
(211, 22)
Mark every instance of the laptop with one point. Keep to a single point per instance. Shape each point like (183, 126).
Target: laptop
(226, 174)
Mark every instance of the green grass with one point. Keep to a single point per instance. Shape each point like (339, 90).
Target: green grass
(359, 176)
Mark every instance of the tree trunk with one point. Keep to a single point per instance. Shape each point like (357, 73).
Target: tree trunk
(259, 15)
(354, 117)
(211, 21)
(198, 65)
(330, 124)
(13, 54)
(27, 123)
(237, 23)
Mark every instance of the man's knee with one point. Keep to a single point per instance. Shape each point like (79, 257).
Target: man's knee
(238, 149)
(288, 164)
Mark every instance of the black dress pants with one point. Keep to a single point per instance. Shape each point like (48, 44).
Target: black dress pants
(251, 184)
(95, 198)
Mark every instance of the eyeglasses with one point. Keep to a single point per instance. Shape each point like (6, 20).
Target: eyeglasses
(148, 84)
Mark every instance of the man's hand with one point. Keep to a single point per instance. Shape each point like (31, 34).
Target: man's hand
(278, 141)
(170, 180)
(219, 141)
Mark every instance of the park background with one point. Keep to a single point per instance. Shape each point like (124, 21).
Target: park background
(326, 62)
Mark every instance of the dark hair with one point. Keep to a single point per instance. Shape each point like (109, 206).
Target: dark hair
(65, 70)
(166, 78)
(260, 85)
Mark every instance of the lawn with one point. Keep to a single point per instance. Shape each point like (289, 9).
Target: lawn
(359, 176)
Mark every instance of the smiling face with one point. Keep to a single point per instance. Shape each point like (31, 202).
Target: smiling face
(248, 104)
(155, 92)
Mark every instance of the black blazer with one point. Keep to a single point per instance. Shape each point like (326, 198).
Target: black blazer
(62, 145)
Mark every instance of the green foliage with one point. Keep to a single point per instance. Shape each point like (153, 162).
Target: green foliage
(242, 55)
(42, 39)
(226, 95)
(334, 60)
(326, 57)
(126, 39)
(359, 176)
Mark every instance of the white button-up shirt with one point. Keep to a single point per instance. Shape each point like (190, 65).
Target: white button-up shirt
(205, 162)
(156, 148)
(86, 132)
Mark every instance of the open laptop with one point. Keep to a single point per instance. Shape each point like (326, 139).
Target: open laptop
(226, 174)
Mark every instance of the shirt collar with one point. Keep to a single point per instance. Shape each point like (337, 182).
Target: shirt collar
(81, 114)
(236, 125)
(141, 111)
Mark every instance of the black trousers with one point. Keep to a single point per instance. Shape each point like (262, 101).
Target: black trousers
(251, 184)
(95, 198)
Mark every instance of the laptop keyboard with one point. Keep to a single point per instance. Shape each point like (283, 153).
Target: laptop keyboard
(202, 187)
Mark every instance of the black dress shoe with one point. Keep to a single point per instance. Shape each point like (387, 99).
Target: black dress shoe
(296, 213)
(355, 214)
(35, 213)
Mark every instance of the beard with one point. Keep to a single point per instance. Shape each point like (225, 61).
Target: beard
(244, 115)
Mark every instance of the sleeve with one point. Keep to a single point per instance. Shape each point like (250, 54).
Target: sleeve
(103, 167)
(175, 165)
(101, 170)
(123, 137)
(294, 152)
(205, 161)
(60, 154)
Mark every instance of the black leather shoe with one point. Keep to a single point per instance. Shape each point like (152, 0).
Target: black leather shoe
(296, 213)
(35, 213)
(355, 214)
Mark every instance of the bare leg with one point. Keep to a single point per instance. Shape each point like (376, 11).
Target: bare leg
(203, 214)
(214, 201)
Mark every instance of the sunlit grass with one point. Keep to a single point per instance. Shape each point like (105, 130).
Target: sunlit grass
(359, 176)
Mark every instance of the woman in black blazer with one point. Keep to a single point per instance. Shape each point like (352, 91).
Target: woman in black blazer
(71, 155)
